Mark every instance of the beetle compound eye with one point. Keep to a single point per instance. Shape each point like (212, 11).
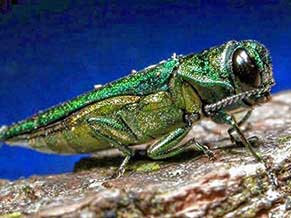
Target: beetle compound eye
(245, 69)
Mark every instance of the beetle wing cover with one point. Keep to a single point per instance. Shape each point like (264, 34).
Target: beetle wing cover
(144, 82)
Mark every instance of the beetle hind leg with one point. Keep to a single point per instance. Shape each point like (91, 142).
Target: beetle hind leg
(109, 130)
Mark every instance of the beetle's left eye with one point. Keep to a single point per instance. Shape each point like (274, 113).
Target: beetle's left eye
(245, 69)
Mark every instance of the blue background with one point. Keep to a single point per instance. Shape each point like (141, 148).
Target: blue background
(51, 52)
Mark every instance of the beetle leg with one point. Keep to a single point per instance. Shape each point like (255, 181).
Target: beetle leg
(228, 119)
(192, 143)
(102, 128)
(231, 130)
(223, 117)
(253, 140)
(245, 118)
(170, 145)
(242, 121)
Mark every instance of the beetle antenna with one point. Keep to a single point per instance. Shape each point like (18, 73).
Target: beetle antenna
(211, 109)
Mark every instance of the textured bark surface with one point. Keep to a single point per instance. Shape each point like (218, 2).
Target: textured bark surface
(234, 185)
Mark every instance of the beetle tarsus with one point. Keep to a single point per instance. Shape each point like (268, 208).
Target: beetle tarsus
(121, 168)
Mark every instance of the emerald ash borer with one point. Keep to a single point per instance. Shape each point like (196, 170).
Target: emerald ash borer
(157, 105)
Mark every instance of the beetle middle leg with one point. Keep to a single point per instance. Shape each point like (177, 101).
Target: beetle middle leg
(105, 129)
(170, 145)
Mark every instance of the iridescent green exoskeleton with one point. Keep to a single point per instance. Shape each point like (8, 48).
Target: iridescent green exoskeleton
(157, 105)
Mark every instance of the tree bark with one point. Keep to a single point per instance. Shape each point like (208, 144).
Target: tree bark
(233, 185)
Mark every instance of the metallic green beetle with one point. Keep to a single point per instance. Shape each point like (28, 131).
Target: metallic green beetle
(159, 104)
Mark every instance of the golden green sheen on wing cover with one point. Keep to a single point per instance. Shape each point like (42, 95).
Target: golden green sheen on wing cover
(144, 82)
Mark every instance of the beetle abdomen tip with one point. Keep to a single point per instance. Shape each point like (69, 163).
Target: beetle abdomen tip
(3, 130)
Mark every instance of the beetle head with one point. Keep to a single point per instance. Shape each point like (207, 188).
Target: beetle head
(251, 67)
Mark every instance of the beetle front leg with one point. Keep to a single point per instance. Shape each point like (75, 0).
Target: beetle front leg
(231, 130)
(253, 140)
(228, 119)
(170, 145)
(223, 117)
(242, 121)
